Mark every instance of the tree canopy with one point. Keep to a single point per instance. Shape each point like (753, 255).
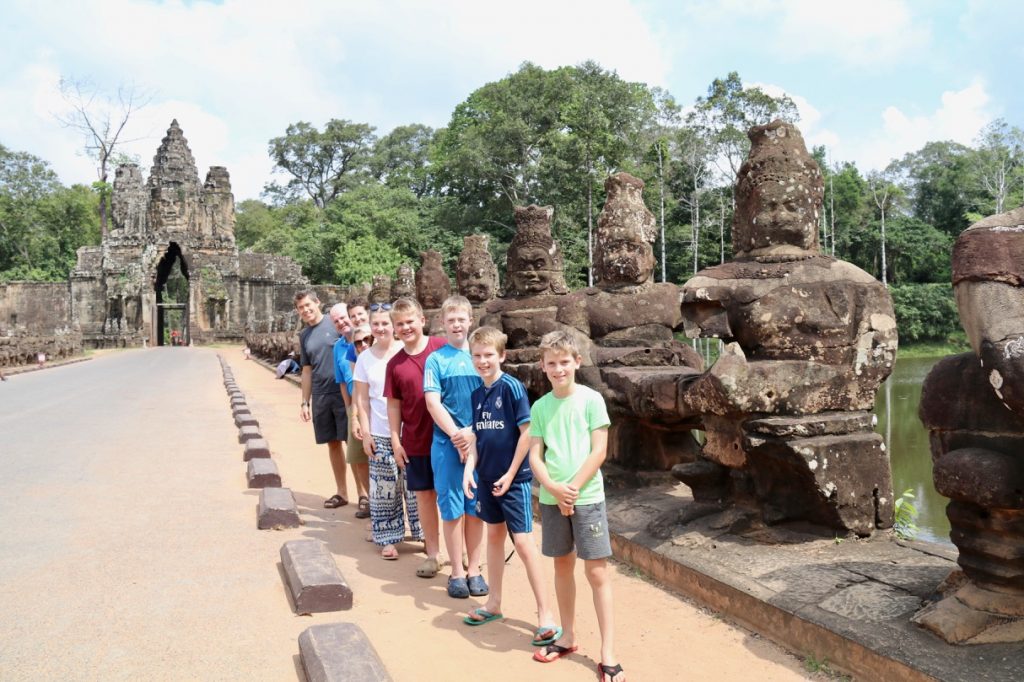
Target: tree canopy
(350, 204)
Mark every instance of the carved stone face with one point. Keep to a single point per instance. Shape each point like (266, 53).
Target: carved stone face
(779, 192)
(625, 261)
(533, 274)
(477, 286)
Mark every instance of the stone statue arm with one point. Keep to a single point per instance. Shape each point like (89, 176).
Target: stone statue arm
(734, 385)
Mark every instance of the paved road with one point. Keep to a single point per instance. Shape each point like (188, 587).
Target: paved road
(127, 542)
(129, 549)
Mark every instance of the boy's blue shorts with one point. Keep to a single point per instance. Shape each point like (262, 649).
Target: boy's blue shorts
(514, 508)
(448, 468)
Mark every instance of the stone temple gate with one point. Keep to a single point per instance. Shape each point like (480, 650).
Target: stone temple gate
(169, 264)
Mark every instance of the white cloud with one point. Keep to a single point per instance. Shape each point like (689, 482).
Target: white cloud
(810, 117)
(864, 32)
(235, 74)
(959, 117)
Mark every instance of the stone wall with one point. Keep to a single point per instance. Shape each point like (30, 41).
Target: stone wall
(36, 317)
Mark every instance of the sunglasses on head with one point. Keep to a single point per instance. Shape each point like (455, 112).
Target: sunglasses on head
(374, 307)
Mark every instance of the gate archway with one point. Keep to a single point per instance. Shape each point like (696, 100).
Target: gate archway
(173, 290)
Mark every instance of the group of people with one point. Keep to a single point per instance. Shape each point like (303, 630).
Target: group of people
(434, 429)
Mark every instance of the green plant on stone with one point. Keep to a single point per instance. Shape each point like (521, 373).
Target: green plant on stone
(905, 516)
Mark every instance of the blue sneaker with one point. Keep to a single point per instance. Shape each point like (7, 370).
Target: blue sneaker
(477, 586)
(458, 588)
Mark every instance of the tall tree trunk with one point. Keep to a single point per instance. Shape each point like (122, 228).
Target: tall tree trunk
(721, 231)
(661, 201)
(885, 282)
(590, 230)
(696, 230)
(103, 193)
(832, 210)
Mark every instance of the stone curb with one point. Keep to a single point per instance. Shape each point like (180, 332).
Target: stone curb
(277, 509)
(24, 369)
(247, 433)
(246, 419)
(262, 473)
(339, 652)
(256, 448)
(314, 580)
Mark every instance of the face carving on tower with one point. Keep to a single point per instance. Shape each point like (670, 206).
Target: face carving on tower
(779, 191)
(534, 264)
(623, 255)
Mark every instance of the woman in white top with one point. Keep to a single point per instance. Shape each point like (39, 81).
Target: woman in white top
(387, 482)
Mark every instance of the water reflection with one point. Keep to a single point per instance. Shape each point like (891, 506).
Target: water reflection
(907, 440)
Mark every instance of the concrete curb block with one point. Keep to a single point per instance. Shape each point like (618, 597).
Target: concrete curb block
(256, 448)
(277, 509)
(247, 433)
(263, 473)
(245, 419)
(339, 652)
(314, 580)
(50, 364)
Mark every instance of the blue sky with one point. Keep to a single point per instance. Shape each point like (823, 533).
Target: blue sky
(874, 78)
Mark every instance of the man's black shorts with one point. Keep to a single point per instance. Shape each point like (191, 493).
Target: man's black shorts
(330, 421)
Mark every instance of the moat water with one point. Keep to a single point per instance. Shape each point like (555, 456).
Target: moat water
(907, 440)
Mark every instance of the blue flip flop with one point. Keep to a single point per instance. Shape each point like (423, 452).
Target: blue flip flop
(487, 617)
(556, 633)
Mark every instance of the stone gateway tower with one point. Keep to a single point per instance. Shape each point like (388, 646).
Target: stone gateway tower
(169, 267)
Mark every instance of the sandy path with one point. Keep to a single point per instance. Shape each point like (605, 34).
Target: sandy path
(417, 628)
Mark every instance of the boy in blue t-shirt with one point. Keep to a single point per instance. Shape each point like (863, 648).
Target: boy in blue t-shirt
(501, 422)
(448, 381)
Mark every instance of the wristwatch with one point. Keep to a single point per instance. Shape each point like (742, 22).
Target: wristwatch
(305, 403)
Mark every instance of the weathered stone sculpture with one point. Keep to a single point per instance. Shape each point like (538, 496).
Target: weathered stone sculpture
(476, 275)
(786, 407)
(404, 283)
(973, 404)
(432, 283)
(534, 283)
(629, 323)
(380, 289)
(534, 266)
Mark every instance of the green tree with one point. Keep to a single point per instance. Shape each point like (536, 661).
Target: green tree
(254, 221)
(602, 121)
(939, 184)
(322, 165)
(402, 158)
(729, 110)
(918, 252)
(25, 180)
(360, 258)
(998, 164)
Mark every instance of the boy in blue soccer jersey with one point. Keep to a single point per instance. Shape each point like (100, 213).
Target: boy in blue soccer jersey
(448, 381)
(501, 421)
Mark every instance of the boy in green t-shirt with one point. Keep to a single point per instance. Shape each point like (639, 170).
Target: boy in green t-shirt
(569, 440)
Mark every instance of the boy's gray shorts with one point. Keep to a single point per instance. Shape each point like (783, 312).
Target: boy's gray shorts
(587, 529)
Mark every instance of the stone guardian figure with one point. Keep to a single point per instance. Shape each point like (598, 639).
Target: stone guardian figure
(973, 405)
(787, 406)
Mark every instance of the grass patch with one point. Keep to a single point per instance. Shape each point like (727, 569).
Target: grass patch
(934, 349)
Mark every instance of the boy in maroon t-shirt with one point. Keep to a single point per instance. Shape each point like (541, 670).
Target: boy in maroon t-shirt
(412, 428)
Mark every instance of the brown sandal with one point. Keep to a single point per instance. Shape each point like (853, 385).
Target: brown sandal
(335, 501)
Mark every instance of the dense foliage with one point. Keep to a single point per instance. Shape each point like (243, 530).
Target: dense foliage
(348, 203)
